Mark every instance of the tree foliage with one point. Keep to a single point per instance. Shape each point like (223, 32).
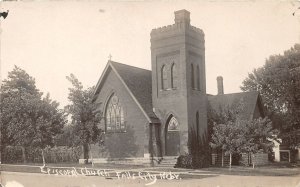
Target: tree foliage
(259, 134)
(278, 81)
(228, 137)
(85, 118)
(199, 149)
(27, 118)
(233, 134)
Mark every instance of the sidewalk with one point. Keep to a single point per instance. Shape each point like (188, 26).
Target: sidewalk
(185, 173)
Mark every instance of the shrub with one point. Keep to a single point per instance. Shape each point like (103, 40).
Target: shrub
(12, 154)
(184, 161)
(199, 152)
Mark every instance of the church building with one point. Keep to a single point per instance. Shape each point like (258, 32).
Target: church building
(148, 113)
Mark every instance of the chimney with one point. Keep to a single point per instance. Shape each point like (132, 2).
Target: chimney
(182, 17)
(220, 85)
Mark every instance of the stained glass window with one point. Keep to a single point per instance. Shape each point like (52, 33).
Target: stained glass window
(115, 115)
(173, 124)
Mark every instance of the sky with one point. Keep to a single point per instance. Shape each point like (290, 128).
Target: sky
(52, 39)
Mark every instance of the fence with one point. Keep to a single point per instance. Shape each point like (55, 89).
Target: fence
(14, 154)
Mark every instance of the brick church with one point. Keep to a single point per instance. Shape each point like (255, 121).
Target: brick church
(148, 113)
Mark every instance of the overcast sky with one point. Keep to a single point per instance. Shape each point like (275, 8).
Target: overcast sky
(52, 39)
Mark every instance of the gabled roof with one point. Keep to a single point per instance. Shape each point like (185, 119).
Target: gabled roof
(139, 84)
(248, 99)
(139, 81)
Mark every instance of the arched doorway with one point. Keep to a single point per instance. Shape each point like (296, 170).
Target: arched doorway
(172, 138)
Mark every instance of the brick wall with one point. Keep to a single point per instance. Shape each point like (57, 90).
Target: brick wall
(183, 45)
(135, 139)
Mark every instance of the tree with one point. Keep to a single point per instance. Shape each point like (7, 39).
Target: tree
(27, 119)
(229, 137)
(68, 138)
(224, 115)
(232, 134)
(85, 118)
(259, 135)
(199, 150)
(278, 81)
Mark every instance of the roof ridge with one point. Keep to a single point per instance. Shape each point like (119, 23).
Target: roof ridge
(234, 93)
(113, 62)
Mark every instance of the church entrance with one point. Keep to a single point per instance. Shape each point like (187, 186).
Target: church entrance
(172, 138)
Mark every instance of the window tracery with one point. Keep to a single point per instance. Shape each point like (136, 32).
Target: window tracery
(115, 115)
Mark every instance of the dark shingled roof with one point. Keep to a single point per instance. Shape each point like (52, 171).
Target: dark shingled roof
(248, 99)
(139, 81)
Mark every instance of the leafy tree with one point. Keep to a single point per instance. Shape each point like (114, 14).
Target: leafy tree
(259, 135)
(278, 81)
(224, 115)
(232, 134)
(199, 149)
(229, 137)
(27, 119)
(85, 118)
(68, 137)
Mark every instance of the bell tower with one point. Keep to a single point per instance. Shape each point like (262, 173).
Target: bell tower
(178, 81)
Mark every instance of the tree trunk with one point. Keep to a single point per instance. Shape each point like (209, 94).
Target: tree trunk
(253, 161)
(222, 158)
(43, 157)
(91, 155)
(249, 159)
(23, 154)
(85, 153)
(230, 160)
(1, 153)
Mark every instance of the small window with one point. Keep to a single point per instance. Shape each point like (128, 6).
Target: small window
(192, 76)
(164, 77)
(197, 124)
(173, 124)
(198, 78)
(173, 76)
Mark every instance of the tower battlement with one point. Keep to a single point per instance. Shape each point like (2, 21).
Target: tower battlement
(174, 27)
(182, 23)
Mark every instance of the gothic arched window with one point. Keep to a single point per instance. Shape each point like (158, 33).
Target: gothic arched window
(173, 76)
(198, 78)
(164, 77)
(114, 115)
(173, 124)
(192, 76)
